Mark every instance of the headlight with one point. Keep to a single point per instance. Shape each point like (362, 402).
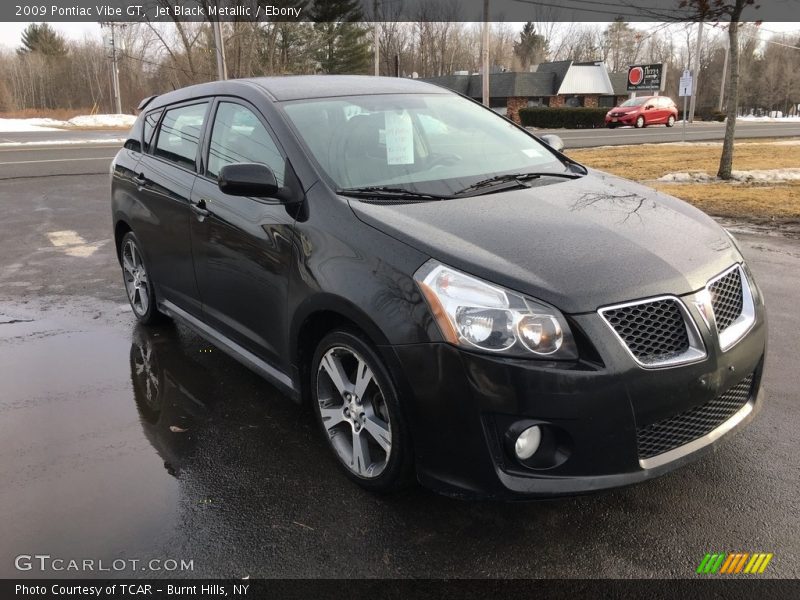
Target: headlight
(474, 314)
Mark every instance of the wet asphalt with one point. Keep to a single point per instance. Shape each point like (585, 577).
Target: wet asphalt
(118, 441)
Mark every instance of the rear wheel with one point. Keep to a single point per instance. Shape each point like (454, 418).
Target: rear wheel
(138, 283)
(671, 121)
(640, 122)
(358, 411)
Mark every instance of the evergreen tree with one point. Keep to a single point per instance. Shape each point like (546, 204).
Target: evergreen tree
(531, 47)
(42, 39)
(343, 46)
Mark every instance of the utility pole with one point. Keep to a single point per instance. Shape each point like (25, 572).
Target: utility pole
(485, 55)
(696, 74)
(724, 75)
(376, 32)
(222, 65)
(114, 65)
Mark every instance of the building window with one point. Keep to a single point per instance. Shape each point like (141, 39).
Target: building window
(606, 102)
(574, 101)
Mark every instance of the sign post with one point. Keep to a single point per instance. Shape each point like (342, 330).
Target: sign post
(685, 90)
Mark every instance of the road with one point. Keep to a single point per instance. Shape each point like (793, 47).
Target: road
(697, 132)
(124, 442)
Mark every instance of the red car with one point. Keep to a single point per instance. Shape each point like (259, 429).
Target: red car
(642, 111)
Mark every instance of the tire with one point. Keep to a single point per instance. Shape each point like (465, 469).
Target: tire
(138, 283)
(361, 422)
(611, 126)
(640, 122)
(671, 121)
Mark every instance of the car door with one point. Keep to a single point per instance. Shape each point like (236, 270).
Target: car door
(165, 177)
(243, 246)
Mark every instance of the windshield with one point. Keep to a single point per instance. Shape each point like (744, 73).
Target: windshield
(635, 101)
(428, 143)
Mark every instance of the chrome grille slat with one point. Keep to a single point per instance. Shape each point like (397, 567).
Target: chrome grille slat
(673, 432)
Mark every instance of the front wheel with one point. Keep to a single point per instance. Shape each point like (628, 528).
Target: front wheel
(671, 121)
(138, 283)
(358, 411)
(640, 122)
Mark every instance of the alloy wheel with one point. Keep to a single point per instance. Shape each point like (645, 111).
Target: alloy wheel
(353, 411)
(640, 122)
(137, 283)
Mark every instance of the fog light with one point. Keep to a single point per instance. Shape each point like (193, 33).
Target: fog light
(528, 442)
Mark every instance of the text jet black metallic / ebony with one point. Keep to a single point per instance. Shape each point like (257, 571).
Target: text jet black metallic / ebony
(459, 301)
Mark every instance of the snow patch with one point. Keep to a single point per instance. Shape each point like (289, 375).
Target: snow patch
(81, 122)
(95, 121)
(17, 125)
(109, 141)
(754, 176)
(794, 118)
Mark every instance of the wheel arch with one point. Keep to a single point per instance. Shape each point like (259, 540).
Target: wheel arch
(121, 227)
(317, 317)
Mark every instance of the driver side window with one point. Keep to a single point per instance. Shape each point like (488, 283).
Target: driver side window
(238, 136)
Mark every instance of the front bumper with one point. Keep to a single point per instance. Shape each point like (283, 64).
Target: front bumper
(460, 404)
(626, 119)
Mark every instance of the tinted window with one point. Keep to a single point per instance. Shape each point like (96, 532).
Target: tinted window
(150, 122)
(239, 137)
(179, 134)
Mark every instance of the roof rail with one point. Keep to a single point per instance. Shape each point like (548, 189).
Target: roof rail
(143, 104)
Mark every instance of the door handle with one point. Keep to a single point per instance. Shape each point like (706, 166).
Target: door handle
(140, 180)
(199, 208)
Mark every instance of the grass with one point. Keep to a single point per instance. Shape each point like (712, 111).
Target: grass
(759, 202)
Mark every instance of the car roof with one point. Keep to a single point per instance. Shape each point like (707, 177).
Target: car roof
(326, 86)
(296, 87)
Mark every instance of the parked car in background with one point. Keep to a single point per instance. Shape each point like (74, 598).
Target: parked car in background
(457, 301)
(643, 111)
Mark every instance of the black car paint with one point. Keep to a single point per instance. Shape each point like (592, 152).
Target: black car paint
(273, 274)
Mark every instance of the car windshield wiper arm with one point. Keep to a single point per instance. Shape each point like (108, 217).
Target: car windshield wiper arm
(382, 191)
(518, 178)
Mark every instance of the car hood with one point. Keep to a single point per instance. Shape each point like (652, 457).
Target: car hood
(577, 244)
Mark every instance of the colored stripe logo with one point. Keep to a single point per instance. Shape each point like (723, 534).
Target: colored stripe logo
(734, 563)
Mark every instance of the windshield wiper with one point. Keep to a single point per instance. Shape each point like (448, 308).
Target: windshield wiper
(514, 178)
(389, 192)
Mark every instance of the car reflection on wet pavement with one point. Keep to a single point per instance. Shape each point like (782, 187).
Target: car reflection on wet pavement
(119, 441)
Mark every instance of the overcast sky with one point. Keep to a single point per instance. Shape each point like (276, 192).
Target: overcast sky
(10, 33)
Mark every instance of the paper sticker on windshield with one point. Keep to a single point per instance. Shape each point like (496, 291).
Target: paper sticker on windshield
(399, 139)
(532, 152)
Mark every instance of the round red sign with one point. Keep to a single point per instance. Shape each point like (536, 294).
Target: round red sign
(635, 75)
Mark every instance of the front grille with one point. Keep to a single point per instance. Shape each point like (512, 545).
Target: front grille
(727, 299)
(654, 331)
(681, 429)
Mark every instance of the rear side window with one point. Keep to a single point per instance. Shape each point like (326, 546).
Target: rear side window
(150, 122)
(238, 136)
(179, 134)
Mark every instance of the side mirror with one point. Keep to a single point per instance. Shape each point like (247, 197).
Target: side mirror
(552, 140)
(649, 107)
(247, 179)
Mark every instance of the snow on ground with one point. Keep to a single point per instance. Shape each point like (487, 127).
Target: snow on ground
(794, 118)
(95, 121)
(62, 142)
(754, 176)
(82, 122)
(16, 125)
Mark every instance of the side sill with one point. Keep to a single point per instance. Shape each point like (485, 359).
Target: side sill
(275, 376)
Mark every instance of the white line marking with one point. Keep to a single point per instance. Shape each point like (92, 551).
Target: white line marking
(73, 244)
(53, 160)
